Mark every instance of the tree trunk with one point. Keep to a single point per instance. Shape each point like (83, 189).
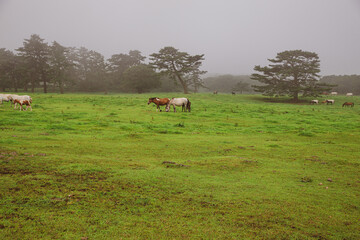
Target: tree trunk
(45, 86)
(43, 78)
(296, 97)
(61, 88)
(32, 86)
(15, 84)
(183, 84)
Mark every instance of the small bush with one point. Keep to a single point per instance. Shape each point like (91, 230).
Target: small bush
(181, 124)
(306, 179)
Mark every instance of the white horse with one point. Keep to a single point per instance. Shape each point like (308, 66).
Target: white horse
(330, 101)
(183, 102)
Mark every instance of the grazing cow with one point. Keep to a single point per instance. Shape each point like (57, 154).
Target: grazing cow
(159, 102)
(333, 93)
(233, 93)
(347, 104)
(349, 94)
(314, 102)
(215, 92)
(329, 101)
(323, 102)
(183, 102)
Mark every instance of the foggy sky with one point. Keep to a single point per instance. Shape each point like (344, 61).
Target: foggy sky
(234, 35)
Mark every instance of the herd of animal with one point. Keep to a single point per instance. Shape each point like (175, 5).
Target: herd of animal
(17, 99)
(331, 101)
(183, 102)
(167, 102)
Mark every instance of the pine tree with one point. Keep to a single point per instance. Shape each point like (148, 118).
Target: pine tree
(290, 73)
(178, 65)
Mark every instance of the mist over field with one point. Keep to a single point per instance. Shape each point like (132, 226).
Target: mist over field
(233, 35)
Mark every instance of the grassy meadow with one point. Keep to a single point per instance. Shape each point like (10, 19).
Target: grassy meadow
(93, 166)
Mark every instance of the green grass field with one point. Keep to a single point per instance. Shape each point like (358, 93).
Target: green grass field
(87, 166)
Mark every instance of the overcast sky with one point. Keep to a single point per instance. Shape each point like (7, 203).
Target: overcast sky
(234, 35)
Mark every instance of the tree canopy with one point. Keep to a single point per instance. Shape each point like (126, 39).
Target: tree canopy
(178, 65)
(141, 78)
(290, 73)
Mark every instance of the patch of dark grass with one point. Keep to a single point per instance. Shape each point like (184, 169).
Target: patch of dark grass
(306, 179)
(306, 134)
(180, 124)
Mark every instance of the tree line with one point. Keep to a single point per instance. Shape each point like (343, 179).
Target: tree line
(343, 83)
(37, 64)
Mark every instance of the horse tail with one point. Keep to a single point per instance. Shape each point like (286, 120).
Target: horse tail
(188, 105)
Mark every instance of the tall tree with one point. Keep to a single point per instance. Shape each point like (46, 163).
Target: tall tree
(141, 78)
(195, 81)
(36, 53)
(6, 68)
(241, 86)
(178, 65)
(60, 65)
(290, 73)
(90, 69)
(119, 63)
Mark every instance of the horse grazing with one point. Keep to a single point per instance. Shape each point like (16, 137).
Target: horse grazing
(329, 101)
(22, 102)
(159, 102)
(5, 97)
(314, 102)
(347, 104)
(183, 102)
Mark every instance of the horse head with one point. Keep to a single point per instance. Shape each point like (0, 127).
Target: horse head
(150, 100)
(167, 108)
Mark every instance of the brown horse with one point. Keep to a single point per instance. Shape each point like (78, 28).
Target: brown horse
(159, 102)
(346, 104)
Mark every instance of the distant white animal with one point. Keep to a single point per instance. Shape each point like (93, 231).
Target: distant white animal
(314, 101)
(333, 93)
(349, 94)
(329, 101)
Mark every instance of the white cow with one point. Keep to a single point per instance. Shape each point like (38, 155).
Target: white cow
(314, 101)
(349, 94)
(333, 93)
